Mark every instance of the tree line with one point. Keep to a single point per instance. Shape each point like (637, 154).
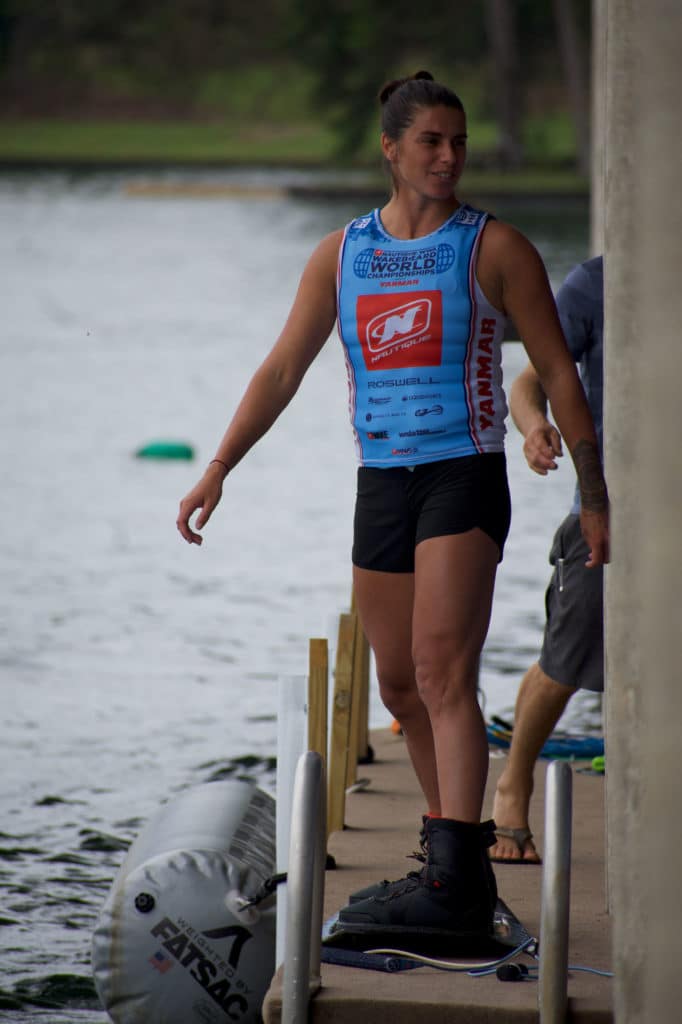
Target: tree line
(70, 56)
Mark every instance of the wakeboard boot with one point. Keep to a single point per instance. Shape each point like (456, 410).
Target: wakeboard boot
(453, 898)
(383, 888)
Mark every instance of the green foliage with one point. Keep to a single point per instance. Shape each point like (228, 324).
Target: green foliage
(550, 139)
(281, 69)
(166, 49)
(248, 140)
(270, 91)
(354, 46)
(88, 142)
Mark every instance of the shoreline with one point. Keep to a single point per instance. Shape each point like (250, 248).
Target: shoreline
(533, 187)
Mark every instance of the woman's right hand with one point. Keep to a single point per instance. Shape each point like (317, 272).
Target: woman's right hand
(542, 447)
(205, 496)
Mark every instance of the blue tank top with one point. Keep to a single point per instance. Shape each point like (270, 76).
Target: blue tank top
(422, 344)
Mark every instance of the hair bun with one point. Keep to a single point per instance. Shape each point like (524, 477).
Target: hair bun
(389, 88)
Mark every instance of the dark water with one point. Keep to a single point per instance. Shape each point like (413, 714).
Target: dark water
(130, 665)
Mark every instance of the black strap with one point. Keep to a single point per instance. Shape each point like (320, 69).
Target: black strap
(266, 889)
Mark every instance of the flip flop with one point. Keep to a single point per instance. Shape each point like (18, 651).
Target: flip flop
(520, 837)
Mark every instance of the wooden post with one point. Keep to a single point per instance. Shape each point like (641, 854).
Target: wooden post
(361, 673)
(318, 689)
(341, 710)
(358, 741)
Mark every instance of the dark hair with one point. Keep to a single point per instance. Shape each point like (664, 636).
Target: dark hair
(403, 97)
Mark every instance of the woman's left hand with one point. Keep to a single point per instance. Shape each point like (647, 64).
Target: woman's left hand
(595, 528)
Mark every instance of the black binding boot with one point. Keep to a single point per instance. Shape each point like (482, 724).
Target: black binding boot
(383, 888)
(454, 896)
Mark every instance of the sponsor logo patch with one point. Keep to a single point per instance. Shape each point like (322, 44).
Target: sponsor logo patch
(374, 264)
(397, 331)
(434, 410)
(404, 382)
(420, 433)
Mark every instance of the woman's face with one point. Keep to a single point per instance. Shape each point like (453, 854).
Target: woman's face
(429, 157)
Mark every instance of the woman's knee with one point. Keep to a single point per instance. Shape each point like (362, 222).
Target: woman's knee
(444, 675)
(398, 690)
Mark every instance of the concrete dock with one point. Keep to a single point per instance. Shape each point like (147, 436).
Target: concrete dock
(382, 823)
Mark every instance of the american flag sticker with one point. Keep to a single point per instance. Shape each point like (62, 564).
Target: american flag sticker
(161, 962)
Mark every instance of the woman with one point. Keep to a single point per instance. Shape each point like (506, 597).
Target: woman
(422, 289)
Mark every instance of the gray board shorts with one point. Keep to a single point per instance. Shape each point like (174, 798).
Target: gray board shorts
(573, 644)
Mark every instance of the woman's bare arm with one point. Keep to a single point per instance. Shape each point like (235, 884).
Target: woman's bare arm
(514, 278)
(274, 383)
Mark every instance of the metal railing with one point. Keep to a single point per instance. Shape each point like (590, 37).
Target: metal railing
(556, 886)
(305, 892)
(305, 889)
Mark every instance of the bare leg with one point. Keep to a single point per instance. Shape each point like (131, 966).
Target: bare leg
(539, 706)
(454, 581)
(450, 597)
(385, 601)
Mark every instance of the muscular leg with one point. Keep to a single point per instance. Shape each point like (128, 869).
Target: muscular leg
(539, 706)
(449, 599)
(454, 581)
(385, 603)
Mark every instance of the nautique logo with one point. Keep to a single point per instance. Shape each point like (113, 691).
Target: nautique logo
(401, 330)
(399, 324)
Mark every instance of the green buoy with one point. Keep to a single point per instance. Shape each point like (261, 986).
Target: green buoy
(165, 450)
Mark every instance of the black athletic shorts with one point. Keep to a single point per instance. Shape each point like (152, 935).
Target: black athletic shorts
(573, 645)
(397, 508)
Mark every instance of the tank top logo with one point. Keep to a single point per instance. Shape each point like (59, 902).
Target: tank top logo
(374, 264)
(400, 330)
(465, 215)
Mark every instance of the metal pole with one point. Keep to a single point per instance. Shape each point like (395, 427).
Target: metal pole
(317, 909)
(304, 900)
(291, 742)
(556, 884)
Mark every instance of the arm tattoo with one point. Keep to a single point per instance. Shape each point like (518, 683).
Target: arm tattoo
(593, 494)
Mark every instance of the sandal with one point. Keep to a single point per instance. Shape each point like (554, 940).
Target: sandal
(520, 836)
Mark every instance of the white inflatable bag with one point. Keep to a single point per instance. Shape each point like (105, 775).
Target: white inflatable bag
(173, 943)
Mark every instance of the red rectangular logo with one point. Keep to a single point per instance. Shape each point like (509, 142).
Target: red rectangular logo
(400, 330)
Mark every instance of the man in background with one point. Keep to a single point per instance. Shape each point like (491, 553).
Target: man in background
(572, 655)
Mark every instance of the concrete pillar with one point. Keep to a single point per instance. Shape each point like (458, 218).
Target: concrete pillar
(660, 270)
(643, 432)
(622, 439)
